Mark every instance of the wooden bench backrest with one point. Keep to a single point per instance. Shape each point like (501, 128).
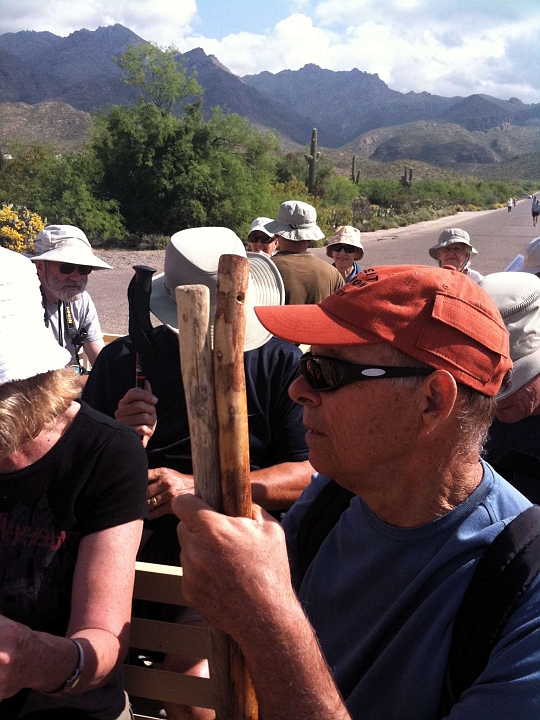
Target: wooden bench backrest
(163, 583)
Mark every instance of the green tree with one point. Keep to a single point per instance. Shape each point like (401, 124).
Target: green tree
(171, 173)
(63, 189)
(158, 73)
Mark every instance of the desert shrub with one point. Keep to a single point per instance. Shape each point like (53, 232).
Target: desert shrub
(18, 228)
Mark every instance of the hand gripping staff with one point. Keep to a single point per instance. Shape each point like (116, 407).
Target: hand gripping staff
(217, 413)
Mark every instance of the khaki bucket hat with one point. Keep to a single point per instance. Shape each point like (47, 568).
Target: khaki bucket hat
(450, 237)
(346, 235)
(66, 243)
(296, 220)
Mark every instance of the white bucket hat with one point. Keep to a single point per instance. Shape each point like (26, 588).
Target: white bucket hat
(66, 243)
(260, 225)
(450, 237)
(192, 257)
(531, 263)
(346, 235)
(518, 299)
(296, 220)
(27, 348)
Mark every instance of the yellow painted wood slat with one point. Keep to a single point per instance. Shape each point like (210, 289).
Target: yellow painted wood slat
(158, 583)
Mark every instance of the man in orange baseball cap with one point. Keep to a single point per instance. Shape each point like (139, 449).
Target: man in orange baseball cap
(348, 611)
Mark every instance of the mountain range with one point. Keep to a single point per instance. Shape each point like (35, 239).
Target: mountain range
(351, 109)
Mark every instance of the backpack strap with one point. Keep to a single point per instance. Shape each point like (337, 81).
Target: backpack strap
(502, 576)
(321, 516)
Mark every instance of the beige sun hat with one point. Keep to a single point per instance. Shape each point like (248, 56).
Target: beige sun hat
(296, 220)
(27, 347)
(518, 300)
(346, 235)
(451, 236)
(531, 263)
(66, 243)
(192, 257)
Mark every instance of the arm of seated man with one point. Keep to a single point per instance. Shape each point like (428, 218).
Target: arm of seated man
(236, 574)
(274, 488)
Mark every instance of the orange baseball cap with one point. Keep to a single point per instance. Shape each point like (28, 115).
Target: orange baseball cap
(435, 315)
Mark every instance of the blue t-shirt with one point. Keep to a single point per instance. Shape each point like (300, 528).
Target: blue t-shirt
(383, 599)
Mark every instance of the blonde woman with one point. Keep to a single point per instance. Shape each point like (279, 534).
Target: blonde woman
(71, 507)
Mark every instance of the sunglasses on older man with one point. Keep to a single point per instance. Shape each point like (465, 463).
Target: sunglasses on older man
(263, 239)
(68, 268)
(338, 247)
(323, 373)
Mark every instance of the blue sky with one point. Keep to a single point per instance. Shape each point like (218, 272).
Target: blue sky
(445, 47)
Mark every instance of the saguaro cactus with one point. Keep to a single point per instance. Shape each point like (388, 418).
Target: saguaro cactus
(312, 160)
(355, 174)
(406, 178)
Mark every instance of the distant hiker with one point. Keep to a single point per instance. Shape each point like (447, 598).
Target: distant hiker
(307, 279)
(259, 238)
(509, 204)
(73, 498)
(64, 259)
(454, 248)
(345, 248)
(535, 210)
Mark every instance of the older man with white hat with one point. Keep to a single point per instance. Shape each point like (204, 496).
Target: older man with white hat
(307, 278)
(63, 257)
(454, 248)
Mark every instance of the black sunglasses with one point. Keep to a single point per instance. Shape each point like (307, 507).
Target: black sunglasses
(324, 373)
(338, 247)
(264, 240)
(68, 268)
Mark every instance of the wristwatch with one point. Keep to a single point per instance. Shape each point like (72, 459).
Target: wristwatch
(74, 678)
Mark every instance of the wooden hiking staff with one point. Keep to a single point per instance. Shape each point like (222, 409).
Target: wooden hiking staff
(217, 414)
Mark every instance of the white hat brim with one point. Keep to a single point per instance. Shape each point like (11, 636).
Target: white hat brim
(77, 255)
(313, 232)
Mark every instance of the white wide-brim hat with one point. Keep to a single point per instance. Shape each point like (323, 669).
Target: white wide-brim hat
(27, 347)
(66, 243)
(192, 257)
(517, 297)
(296, 221)
(451, 236)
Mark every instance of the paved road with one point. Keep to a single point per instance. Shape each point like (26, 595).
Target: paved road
(497, 235)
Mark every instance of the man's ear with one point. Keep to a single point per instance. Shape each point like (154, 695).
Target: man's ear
(440, 394)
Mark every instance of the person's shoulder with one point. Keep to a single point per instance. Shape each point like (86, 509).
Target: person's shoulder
(504, 501)
(276, 347)
(105, 426)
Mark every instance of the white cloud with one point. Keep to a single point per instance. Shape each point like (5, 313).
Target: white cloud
(162, 21)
